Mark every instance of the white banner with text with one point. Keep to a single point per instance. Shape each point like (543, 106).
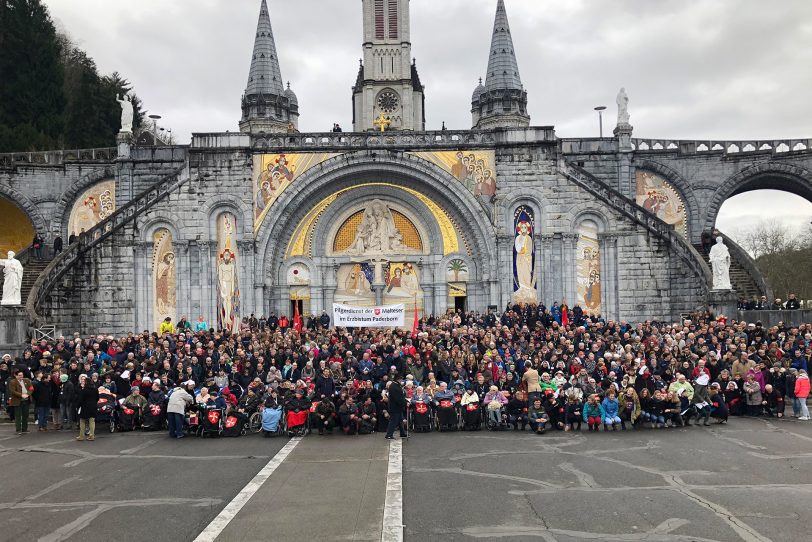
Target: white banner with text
(385, 316)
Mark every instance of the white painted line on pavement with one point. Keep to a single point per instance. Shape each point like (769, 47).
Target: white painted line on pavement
(213, 529)
(393, 505)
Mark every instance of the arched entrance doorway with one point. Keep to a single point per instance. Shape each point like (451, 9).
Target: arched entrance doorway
(368, 233)
(16, 228)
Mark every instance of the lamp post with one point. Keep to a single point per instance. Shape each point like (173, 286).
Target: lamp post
(155, 119)
(600, 109)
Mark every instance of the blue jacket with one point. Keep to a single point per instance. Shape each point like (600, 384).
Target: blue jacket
(610, 407)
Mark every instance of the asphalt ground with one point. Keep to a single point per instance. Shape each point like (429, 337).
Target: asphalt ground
(748, 480)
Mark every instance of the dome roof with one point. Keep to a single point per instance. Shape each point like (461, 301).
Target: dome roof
(478, 91)
(290, 95)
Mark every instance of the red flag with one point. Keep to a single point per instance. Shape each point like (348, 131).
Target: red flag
(565, 317)
(297, 318)
(414, 327)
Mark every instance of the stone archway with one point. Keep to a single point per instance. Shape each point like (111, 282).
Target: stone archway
(769, 175)
(399, 173)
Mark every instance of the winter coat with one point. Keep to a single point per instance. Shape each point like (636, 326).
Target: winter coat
(802, 387)
(67, 394)
(611, 407)
(753, 392)
(469, 398)
(531, 376)
(42, 393)
(178, 401)
(87, 399)
(593, 410)
(629, 412)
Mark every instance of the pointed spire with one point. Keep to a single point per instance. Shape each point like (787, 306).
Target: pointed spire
(266, 105)
(502, 101)
(503, 70)
(265, 77)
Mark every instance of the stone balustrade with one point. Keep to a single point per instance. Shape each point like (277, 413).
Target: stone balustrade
(56, 158)
(332, 141)
(771, 146)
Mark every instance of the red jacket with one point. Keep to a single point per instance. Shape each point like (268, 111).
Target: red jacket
(802, 387)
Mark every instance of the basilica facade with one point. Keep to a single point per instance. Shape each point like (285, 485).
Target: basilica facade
(269, 219)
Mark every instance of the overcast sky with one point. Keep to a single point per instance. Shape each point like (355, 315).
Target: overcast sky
(693, 69)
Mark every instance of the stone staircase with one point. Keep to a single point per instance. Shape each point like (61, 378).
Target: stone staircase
(742, 271)
(46, 280)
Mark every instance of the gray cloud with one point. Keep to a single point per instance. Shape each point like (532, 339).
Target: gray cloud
(703, 69)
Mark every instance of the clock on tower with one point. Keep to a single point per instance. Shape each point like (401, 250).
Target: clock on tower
(387, 81)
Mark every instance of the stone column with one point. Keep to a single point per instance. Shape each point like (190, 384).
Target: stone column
(142, 264)
(246, 274)
(569, 243)
(626, 182)
(544, 261)
(609, 275)
(207, 251)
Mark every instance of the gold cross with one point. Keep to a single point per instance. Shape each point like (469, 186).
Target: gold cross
(383, 122)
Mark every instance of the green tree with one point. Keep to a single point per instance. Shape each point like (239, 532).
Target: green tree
(32, 98)
(52, 95)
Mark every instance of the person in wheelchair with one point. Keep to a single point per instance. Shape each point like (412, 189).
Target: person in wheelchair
(249, 403)
(324, 416)
(443, 394)
(137, 402)
(299, 405)
(495, 403)
(420, 396)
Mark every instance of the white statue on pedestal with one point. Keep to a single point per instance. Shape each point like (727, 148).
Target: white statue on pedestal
(13, 281)
(720, 261)
(126, 113)
(622, 108)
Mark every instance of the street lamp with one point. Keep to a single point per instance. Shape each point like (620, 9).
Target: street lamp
(155, 119)
(600, 109)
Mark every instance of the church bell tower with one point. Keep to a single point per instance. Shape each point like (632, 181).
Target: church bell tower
(388, 89)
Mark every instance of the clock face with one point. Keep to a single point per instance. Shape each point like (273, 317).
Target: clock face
(388, 101)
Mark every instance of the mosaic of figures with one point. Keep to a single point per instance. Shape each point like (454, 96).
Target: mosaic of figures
(228, 285)
(94, 205)
(474, 169)
(401, 284)
(588, 265)
(524, 256)
(164, 278)
(658, 196)
(273, 173)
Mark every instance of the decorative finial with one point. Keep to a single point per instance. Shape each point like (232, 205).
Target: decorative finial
(480, 80)
(288, 85)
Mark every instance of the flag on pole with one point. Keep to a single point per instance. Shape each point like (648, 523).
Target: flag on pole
(414, 327)
(297, 318)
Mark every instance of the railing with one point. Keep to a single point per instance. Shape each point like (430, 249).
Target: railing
(60, 265)
(448, 139)
(749, 265)
(55, 158)
(656, 226)
(773, 146)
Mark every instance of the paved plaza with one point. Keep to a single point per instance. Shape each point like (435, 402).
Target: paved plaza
(749, 480)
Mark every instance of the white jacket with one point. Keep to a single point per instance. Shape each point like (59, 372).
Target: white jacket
(178, 401)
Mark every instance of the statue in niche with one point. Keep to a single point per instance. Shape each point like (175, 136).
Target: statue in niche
(377, 233)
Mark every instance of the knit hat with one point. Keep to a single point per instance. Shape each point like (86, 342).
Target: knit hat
(63, 378)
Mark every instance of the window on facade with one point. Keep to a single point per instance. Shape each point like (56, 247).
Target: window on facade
(379, 20)
(393, 19)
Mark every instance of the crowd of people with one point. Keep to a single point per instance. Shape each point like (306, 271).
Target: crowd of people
(526, 367)
(761, 303)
